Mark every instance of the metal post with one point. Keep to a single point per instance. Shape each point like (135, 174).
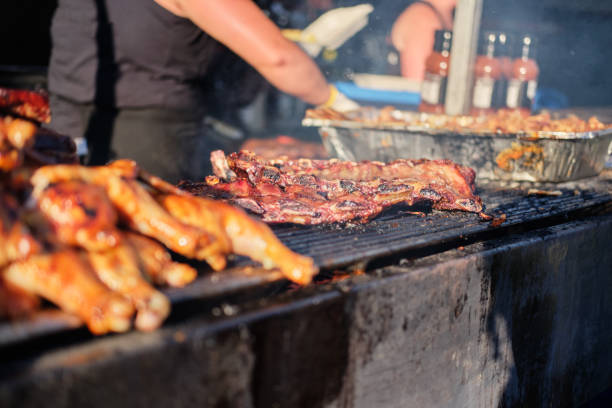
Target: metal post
(465, 40)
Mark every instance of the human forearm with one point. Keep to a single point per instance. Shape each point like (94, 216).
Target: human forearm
(245, 29)
(296, 74)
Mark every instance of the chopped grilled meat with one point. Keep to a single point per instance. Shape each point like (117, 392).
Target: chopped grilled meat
(324, 191)
(29, 104)
(502, 121)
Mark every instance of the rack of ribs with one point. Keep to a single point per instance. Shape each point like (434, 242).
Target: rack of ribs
(308, 191)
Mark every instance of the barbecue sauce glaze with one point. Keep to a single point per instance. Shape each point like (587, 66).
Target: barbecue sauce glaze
(433, 89)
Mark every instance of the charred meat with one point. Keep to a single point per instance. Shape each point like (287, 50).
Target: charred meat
(324, 191)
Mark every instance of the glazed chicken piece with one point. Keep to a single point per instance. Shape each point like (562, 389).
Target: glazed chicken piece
(118, 268)
(135, 205)
(65, 279)
(187, 211)
(156, 263)
(245, 236)
(16, 302)
(98, 175)
(10, 158)
(16, 241)
(19, 132)
(80, 214)
(15, 135)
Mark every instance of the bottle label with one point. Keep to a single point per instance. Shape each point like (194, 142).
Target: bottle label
(483, 93)
(520, 94)
(433, 89)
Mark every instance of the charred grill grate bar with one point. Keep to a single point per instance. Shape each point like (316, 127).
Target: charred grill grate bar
(394, 232)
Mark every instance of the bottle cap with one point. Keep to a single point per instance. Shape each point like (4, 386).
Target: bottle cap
(443, 40)
(487, 44)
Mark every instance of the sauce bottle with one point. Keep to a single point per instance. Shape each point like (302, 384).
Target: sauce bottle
(487, 72)
(433, 88)
(502, 53)
(523, 77)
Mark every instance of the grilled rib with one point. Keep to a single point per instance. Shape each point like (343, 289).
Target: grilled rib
(323, 191)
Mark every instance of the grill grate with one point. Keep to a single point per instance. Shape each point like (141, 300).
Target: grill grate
(395, 231)
(334, 246)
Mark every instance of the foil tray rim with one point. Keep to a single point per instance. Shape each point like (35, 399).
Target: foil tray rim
(411, 129)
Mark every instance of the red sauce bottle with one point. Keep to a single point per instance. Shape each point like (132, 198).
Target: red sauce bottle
(487, 71)
(433, 88)
(523, 77)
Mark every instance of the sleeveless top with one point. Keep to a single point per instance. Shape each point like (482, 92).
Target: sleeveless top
(127, 53)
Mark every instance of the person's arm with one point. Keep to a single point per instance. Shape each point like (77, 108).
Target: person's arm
(413, 33)
(246, 30)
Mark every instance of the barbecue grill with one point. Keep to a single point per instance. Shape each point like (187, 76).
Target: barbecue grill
(437, 310)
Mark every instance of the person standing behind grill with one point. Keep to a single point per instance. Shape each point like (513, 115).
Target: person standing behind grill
(129, 76)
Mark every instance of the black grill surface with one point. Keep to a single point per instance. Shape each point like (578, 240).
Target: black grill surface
(398, 230)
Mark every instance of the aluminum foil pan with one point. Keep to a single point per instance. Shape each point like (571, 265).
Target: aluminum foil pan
(534, 156)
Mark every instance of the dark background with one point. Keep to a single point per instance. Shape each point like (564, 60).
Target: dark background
(573, 40)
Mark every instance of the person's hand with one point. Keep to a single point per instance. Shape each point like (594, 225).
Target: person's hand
(339, 102)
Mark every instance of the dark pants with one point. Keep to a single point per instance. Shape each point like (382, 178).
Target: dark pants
(171, 144)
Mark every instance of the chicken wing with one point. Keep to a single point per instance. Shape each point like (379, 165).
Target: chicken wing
(65, 279)
(16, 241)
(118, 269)
(243, 235)
(135, 205)
(19, 132)
(190, 213)
(98, 175)
(16, 302)
(10, 158)
(80, 214)
(156, 263)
